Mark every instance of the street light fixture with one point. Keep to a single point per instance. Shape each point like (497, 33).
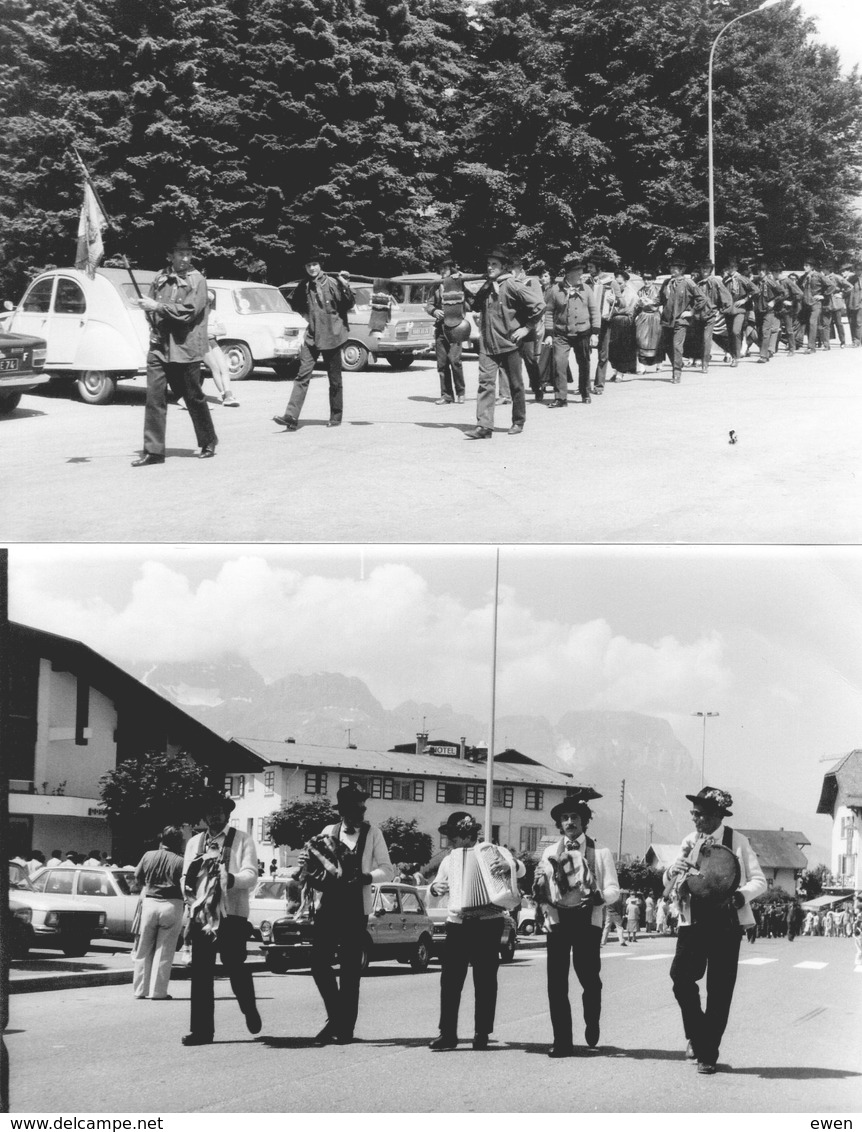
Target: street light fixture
(707, 714)
(649, 828)
(759, 8)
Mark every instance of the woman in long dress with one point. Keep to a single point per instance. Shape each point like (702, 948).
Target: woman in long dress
(648, 323)
(622, 349)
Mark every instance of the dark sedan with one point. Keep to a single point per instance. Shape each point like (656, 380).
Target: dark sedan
(22, 359)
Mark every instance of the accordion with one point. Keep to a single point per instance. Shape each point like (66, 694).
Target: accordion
(481, 877)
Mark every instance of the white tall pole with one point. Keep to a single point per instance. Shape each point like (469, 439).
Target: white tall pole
(489, 775)
(705, 715)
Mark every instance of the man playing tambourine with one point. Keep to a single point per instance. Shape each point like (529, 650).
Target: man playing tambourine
(715, 889)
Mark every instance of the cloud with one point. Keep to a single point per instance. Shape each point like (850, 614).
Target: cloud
(391, 631)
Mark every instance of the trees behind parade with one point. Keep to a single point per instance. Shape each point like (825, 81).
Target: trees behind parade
(382, 131)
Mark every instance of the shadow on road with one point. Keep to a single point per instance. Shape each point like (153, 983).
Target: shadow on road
(792, 1072)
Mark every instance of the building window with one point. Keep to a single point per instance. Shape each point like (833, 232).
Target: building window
(535, 799)
(269, 782)
(228, 785)
(239, 785)
(495, 834)
(315, 781)
(848, 824)
(263, 830)
(531, 835)
(251, 784)
(402, 789)
(418, 790)
(372, 786)
(461, 793)
(234, 823)
(504, 796)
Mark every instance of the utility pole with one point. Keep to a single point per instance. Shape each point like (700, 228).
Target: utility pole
(622, 814)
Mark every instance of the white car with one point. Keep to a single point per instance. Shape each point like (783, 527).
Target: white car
(44, 919)
(112, 891)
(260, 328)
(268, 902)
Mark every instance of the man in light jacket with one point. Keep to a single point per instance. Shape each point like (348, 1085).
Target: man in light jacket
(574, 880)
(219, 871)
(710, 932)
(572, 322)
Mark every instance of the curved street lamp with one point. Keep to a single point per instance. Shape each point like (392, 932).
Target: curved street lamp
(759, 8)
(705, 715)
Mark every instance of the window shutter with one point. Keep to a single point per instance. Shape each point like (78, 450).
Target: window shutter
(419, 791)
(441, 791)
(508, 797)
(388, 788)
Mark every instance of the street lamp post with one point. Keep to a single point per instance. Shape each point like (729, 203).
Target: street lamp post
(759, 8)
(649, 828)
(705, 716)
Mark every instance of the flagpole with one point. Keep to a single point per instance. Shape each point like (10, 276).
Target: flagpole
(489, 776)
(108, 219)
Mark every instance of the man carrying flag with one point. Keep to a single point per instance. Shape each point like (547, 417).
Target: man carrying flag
(91, 225)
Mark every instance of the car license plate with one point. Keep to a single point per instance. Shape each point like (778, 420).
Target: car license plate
(423, 331)
(8, 364)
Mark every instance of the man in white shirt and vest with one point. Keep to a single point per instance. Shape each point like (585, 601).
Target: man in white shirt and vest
(219, 871)
(574, 880)
(710, 927)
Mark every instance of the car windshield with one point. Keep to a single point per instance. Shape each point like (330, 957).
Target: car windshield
(18, 879)
(260, 300)
(432, 901)
(362, 295)
(271, 890)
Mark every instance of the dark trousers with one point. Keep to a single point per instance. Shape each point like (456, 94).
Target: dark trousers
(854, 318)
(828, 320)
(184, 379)
(703, 947)
(530, 349)
(474, 943)
(510, 364)
(449, 367)
(339, 938)
(674, 340)
(809, 317)
(332, 360)
(766, 324)
(604, 351)
(229, 944)
(580, 343)
(574, 936)
(735, 329)
(791, 329)
(708, 327)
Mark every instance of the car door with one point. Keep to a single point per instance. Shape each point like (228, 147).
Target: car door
(34, 312)
(385, 920)
(67, 321)
(412, 918)
(129, 891)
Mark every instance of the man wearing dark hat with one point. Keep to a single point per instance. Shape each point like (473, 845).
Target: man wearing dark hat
(176, 310)
(710, 930)
(815, 290)
(508, 312)
(531, 346)
(472, 939)
(572, 322)
(573, 881)
(325, 301)
(219, 871)
(768, 292)
(679, 300)
(342, 916)
(741, 289)
(831, 315)
(718, 301)
(446, 306)
(787, 307)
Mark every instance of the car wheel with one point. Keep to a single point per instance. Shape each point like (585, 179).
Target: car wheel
(277, 966)
(528, 928)
(238, 360)
(421, 957)
(507, 951)
(97, 387)
(10, 401)
(75, 948)
(21, 944)
(365, 958)
(286, 371)
(400, 361)
(354, 356)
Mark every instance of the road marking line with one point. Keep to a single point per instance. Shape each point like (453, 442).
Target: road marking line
(646, 958)
(809, 965)
(756, 962)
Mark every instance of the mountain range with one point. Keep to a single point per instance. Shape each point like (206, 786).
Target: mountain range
(599, 748)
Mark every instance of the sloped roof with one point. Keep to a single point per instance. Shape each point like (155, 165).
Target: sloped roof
(661, 855)
(401, 763)
(778, 848)
(845, 777)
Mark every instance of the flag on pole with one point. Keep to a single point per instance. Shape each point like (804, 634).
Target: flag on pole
(91, 225)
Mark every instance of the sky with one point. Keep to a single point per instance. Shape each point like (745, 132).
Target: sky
(766, 637)
(839, 23)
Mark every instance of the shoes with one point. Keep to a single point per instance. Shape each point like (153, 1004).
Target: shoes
(591, 1033)
(229, 401)
(516, 429)
(734, 362)
(333, 424)
(460, 399)
(690, 1055)
(479, 433)
(503, 401)
(676, 379)
(558, 404)
(147, 459)
(480, 1041)
(539, 395)
(207, 452)
(707, 1068)
(288, 422)
(443, 401)
(762, 361)
(586, 399)
(598, 390)
(561, 1051)
(444, 1041)
(343, 1039)
(325, 1037)
(252, 1020)
(197, 1039)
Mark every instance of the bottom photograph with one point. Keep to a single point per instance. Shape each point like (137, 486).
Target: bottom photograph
(381, 829)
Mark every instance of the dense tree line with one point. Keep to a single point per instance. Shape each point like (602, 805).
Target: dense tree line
(383, 131)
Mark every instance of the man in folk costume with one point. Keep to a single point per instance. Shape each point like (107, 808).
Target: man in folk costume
(605, 299)
(572, 320)
(219, 871)
(710, 929)
(531, 346)
(472, 933)
(787, 307)
(508, 312)
(741, 289)
(853, 302)
(767, 294)
(718, 301)
(447, 307)
(574, 880)
(325, 301)
(815, 290)
(679, 299)
(831, 315)
(341, 915)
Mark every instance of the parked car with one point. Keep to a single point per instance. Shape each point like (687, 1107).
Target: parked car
(112, 891)
(260, 328)
(399, 928)
(528, 924)
(437, 907)
(268, 902)
(95, 334)
(22, 361)
(45, 919)
(408, 334)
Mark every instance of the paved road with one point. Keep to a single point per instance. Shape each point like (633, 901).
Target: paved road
(793, 1045)
(648, 462)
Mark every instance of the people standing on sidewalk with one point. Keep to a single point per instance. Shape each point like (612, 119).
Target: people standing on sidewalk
(604, 297)
(159, 873)
(614, 919)
(633, 917)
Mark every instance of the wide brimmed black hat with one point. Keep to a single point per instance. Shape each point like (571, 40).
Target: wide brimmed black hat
(573, 259)
(312, 255)
(224, 801)
(678, 260)
(351, 795)
(460, 824)
(504, 255)
(579, 796)
(711, 798)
